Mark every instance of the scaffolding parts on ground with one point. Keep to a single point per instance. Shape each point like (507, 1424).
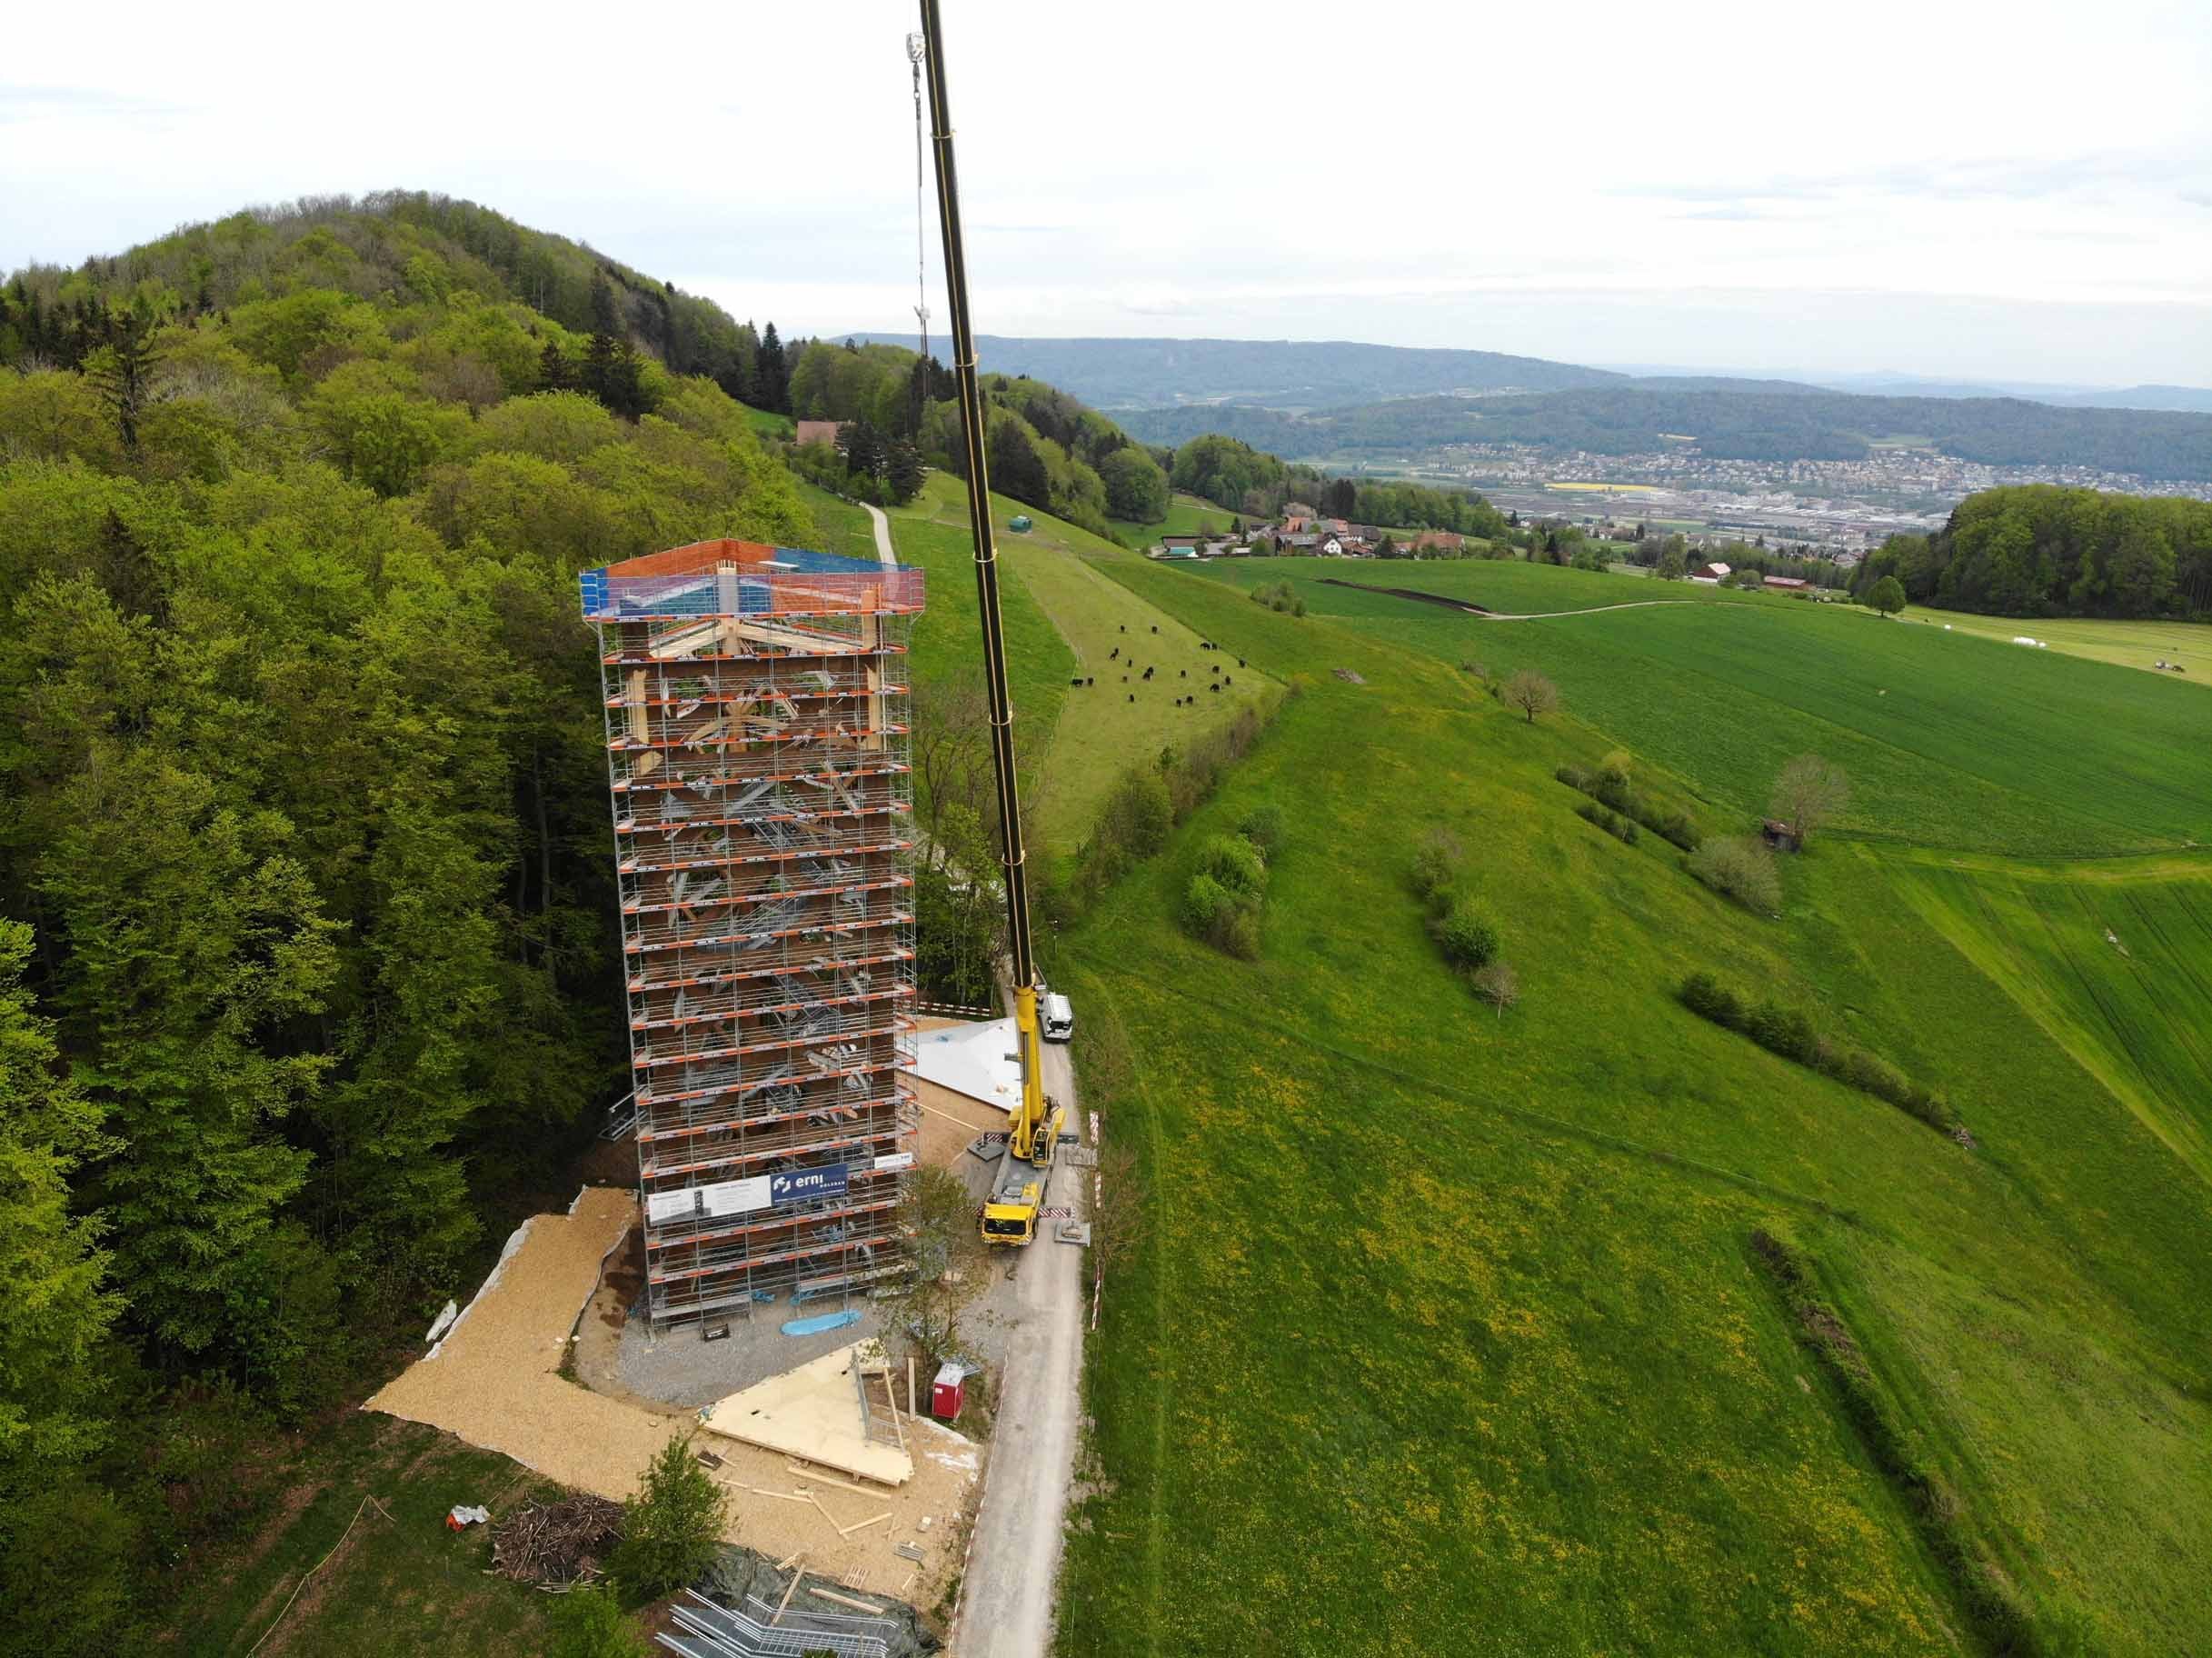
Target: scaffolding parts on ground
(756, 702)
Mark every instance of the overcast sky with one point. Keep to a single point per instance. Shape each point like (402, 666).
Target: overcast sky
(2018, 190)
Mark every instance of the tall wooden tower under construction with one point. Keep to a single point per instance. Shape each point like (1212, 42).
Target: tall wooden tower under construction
(756, 719)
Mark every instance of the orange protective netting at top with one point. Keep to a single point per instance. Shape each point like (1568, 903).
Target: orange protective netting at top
(754, 579)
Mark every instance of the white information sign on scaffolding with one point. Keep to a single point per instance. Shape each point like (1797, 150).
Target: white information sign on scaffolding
(661, 1207)
(736, 1196)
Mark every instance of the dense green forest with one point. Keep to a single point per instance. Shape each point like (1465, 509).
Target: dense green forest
(1796, 424)
(1233, 475)
(2043, 551)
(307, 960)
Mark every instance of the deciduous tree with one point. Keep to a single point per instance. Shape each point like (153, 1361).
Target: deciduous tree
(672, 1528)
(1809, 795)
(1532, 693)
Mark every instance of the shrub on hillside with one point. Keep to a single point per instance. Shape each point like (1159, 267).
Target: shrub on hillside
(1790, 1033)
(1740, 869)
(1709, 998)
(1469, 937)
(1437, 861)
(1787, 1031)
(590, 1623)
(1236, 932)
(1235, 862)
(1262, 826)
(1673, 827)
(1204, 899)
(1575, 777)
(1138, 812)
(1620, 828)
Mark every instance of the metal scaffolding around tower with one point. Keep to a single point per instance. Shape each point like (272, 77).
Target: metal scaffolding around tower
(756, 704)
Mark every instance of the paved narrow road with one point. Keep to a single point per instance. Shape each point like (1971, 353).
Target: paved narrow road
(1013, 1559)
(882, 535)
(1006, 1603)
(1588, 610)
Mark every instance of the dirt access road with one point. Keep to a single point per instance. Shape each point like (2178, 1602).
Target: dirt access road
(882, 535)
(1006, 1602)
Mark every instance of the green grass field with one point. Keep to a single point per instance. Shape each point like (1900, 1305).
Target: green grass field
(2130, 645)
(766, 425)
(1187, 516)
(1950, 740)
(844, 525)
(402, 1584)
(2117, 972)
(1444, 1335)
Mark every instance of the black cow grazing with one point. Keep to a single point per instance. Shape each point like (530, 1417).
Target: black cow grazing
(1148, 673)
(1125, 627)
(1077, 683)
(1182, 672)
(1125, 679)
(1155, 627)
(1091, 679)
(1132, 696)
(1114, 652)
(1213, 688)
(1229, 679)
(1239, 661)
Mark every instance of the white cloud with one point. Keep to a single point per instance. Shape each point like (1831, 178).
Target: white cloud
(2024, 191)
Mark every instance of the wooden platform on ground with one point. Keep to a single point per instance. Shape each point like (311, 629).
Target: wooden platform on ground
(813, 1414)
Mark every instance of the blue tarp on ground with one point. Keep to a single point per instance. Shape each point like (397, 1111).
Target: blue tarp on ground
(815, 1326)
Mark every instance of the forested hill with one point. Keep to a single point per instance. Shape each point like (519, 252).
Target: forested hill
(2042, 551)
(1117, 375)
(1790, 423)
(308, 970)
(398, 249)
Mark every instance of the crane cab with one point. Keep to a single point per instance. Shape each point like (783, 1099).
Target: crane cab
(1009, 1215)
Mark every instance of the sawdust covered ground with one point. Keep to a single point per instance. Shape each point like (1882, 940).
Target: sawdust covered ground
(495, 1382)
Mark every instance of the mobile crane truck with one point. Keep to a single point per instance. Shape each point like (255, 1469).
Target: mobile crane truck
(1033, 1122)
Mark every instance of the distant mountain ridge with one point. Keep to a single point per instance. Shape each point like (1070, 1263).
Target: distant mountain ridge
(1307, 376)
(1112, 375)
(1777, 421)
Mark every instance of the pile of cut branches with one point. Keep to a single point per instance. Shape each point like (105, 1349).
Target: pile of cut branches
(557, 1545)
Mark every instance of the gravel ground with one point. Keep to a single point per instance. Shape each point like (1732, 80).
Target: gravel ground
(679, 1369)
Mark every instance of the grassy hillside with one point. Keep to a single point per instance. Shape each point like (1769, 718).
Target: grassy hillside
(2118, 973)
(1950, 739)
(1449, 1323)
(2130, 645)
(1064, 618)
(1187, 516)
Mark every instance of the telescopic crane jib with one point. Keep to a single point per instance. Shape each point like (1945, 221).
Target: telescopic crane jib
(1010, 1216)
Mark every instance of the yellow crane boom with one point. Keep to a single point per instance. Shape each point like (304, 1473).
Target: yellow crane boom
(1033, 1124)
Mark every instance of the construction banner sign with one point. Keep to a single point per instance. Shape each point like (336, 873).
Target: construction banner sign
(806, 1185)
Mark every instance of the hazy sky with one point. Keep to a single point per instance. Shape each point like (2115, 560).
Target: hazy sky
(2018, 190)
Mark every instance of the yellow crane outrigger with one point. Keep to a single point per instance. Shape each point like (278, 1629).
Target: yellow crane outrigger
(1033, 1124)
